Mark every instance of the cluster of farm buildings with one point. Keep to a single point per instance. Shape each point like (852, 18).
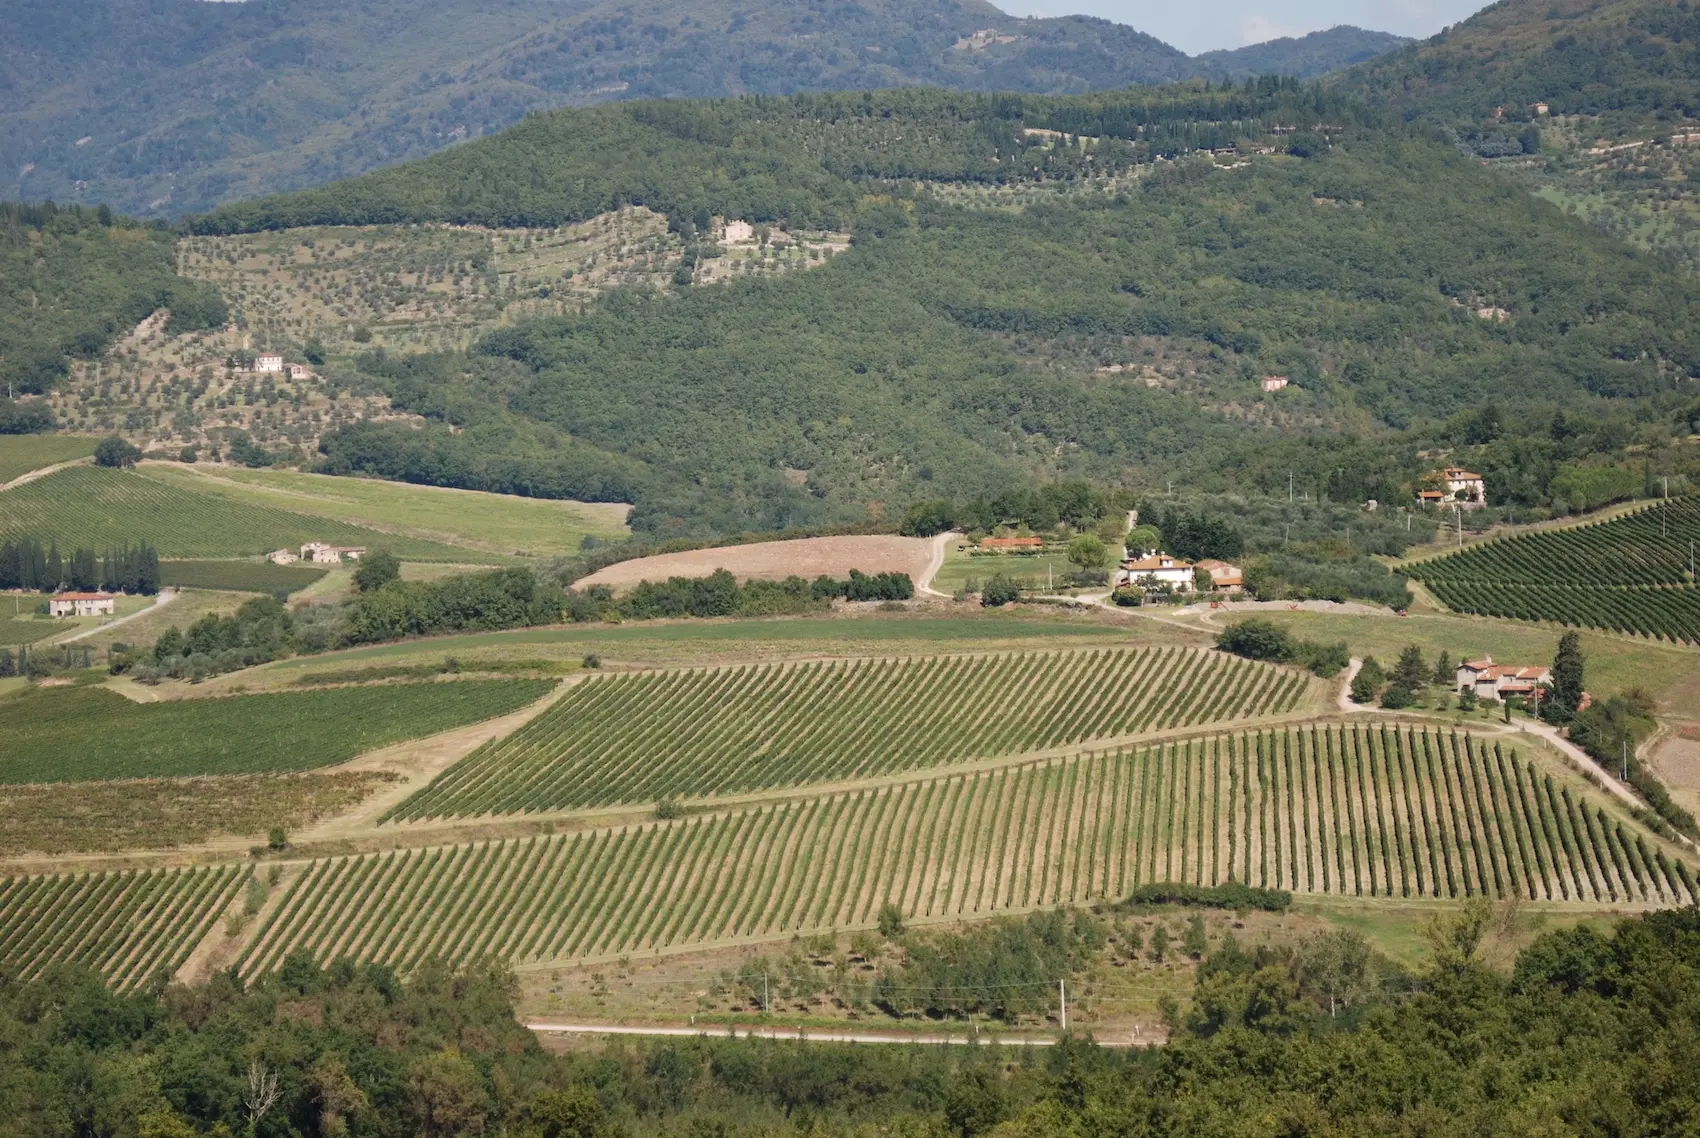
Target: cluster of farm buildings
(275, 365)
(319, 553)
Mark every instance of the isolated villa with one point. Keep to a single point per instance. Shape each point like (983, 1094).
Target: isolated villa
(1159, 567)
(1500, 681)
(319, 552)
(82, 604)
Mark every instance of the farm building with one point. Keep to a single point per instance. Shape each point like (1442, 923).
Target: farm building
(1224, 578)
(268, 363)
(1274, 382)
(282, 557)
(1011, 545)
(1500, 681)
(299, 371)
(322, 554)
(1430, 497)
(81, 604)
(1454, 484)
(1158, 567)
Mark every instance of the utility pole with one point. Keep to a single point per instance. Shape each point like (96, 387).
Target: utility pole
(1062, 990)
(1289, 487)
(766, 1000)
(1626, 758)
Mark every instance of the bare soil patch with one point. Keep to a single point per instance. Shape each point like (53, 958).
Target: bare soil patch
(1676, 758)
(774, 560)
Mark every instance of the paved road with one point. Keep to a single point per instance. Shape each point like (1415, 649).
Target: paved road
(813, 1035)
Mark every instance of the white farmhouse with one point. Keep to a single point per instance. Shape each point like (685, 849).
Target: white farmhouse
(81, 604)
(268, 363)
(1158, 567)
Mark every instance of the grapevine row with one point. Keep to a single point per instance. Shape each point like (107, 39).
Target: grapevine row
(635, 738)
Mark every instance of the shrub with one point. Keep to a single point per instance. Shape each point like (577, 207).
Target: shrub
(999, 591)
(1228, 895)
(1257, 639)
(114, 452)
(890, 921)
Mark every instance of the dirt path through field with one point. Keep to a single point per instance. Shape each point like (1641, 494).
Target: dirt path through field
(417, 762)
(43, 473)
(165, 597)
(924, 583)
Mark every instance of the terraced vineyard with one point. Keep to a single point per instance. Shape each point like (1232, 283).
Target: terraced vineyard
(1357, 810)
(637, 738)
(1637, 569)
(88, 506)
(128, 926)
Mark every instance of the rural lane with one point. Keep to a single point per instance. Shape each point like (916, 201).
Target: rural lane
(43, 472)
(166, 596)
(940, 543)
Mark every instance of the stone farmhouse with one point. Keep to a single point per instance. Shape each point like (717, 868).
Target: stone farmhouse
(82, 604)
(1224, 578)
(1457, 485)
(319, 553)
(1274, 382)
(1500, 681)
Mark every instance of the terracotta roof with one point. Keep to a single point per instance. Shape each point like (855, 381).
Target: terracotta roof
(1459, 474)
(1436, 494)
(1236, 579)
(1160, 561)
(1478, 665)
(83, 597)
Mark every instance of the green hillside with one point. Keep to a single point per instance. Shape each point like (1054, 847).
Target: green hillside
(166, 106)
(1015, 304)
(1590, 104)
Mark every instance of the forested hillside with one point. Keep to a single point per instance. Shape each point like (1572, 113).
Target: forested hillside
(167, 106)
(1595, 105)
(71, 280)
(1019, 304)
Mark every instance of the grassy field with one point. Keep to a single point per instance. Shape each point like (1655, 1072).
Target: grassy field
(127, 926)
(239, 576)
(1357, 811)
(696, 733)
(149, 814)
(18, 625)
(491, 523)
(961, 567)
(80, 734)
(20, 454)
(86, 506)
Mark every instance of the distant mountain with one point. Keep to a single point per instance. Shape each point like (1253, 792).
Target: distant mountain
(168, 106)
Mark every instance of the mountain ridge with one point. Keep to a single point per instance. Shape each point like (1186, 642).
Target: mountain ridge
(162, 108)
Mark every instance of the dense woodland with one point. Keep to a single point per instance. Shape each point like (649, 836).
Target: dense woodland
(1592, 1033)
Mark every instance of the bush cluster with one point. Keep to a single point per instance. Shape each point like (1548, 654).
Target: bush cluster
(1259, 639)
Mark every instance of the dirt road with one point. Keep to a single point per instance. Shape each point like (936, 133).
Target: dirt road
(817, 1035)
(166, 596)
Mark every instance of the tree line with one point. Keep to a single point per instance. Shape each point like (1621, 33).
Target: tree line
(26, 564)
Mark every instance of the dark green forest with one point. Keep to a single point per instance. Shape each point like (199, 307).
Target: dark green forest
(171, 106)
(72, 280)
(1000, 287)
(1592, 1033)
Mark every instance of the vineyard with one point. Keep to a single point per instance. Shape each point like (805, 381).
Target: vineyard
(238, 576)
(78, 734)
(127, 926)
(1636, 568)
(96, 508)
(637, 738)
(1357, 810)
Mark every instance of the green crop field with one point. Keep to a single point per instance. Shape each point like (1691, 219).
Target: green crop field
(238, 576)
(127, 926)
(1362, 811)
(1636, 569)
(20, 454)
(636, 738)
(15, 632)
(499, 523)
(84, 734)
(96, 508)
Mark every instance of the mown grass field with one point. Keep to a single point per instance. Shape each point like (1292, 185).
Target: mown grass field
(239, 576)
(1359, 811)
(83, 734)
(694, 733)
(20, 454)
(87, 506)
(960, 568)
(127, 926)
(494, 523)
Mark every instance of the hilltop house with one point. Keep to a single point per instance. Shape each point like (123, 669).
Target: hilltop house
(1158, 567)
(1011, 545)
(81, 604)
(1500, 681)
(268, 363)
(1224, 578)
(322, 554)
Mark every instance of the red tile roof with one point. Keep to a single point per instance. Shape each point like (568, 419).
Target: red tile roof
(83, 597)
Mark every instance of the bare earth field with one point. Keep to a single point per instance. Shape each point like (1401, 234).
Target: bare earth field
(774, 560)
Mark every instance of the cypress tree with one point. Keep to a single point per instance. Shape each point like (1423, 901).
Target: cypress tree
(1566, 698)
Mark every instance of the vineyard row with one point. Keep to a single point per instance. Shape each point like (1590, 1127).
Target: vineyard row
(129, 926)
(1359, 811)
(1663, 613)
(638, 738)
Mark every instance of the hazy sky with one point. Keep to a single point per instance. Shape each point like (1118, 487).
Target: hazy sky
(1197, 27)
